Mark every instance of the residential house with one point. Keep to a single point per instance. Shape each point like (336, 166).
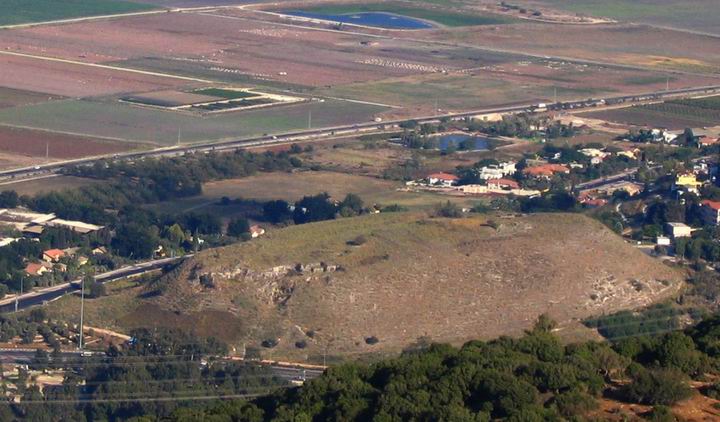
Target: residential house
(497, 171)
(505, 184)
(706, 141)
(53, 255)
(100, 250)
(37, 269)
(687, 182)
(631, 153)
(631, 188)
(546, 170)
(676, 230)
(442, 179)
(710, 211)
(256, 231)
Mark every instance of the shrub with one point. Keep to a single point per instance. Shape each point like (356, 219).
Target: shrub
(360, 240)
(372, 340)
(448, 210)
(575, 402)
(269, 343)
(301, 344)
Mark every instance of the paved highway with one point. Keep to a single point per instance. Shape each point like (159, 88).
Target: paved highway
(38, 297)
(287, 372)
(316, 134)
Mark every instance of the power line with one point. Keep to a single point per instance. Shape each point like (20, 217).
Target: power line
(149, 399)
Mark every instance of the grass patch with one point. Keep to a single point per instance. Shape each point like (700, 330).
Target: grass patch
(26, 11)
(442, 17)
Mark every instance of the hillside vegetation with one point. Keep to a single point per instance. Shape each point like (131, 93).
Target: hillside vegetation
(379, 283)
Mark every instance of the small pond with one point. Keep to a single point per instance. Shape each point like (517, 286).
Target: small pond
(463, 142)
(376, 19)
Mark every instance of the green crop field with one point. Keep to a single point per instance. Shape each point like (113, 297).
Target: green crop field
(25, 11)
(442, 17)
(676, 114)
(111, 119)
(698, 15)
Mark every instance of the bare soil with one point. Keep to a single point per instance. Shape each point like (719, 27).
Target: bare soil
(35, 144)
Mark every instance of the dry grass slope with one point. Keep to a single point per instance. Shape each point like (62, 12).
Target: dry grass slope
(412, 277)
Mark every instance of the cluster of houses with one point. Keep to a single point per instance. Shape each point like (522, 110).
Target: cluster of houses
(32, 224)
(597, 197)
(703, 137)
(498, 180)
(55, 260)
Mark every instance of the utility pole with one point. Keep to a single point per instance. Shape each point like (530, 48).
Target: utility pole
(555, 101)
(82, 311)
(47, 151)
(178, 137)
(667, 84)
(309, 119)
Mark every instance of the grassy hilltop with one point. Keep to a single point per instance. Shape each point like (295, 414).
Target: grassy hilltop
(396, 278)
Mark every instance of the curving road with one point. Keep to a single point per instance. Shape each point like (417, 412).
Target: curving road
(41, 296)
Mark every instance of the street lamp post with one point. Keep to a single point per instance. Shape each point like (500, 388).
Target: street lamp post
(82, 310)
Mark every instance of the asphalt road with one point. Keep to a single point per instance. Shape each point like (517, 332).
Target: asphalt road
(39, 297)
(285, 372)
(323, 133)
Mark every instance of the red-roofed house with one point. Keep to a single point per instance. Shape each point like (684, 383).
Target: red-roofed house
(507, 184)
(443, 179)
(710, 212)
(53, 255)
(546, 170)
(36, 269)
(707, 141)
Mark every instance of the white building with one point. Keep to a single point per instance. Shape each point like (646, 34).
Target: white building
(676, 230)
(497, 171)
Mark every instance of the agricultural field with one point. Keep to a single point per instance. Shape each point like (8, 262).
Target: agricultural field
(56, 146)
(519, 82)
(108, 118)
(632, 45)
(13, 97)
(695, 15)
(209, 100)
(389, 276)
(14, 12)
(59, 78)
(675, 114)
(70, 78)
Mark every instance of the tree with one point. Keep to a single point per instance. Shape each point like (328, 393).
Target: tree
(352, 203)
(277, 211)
(238, 227)
(97, 289)
(657, 386)
(41, 360)
(314, 208)
(135, 241)
(9, 199)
